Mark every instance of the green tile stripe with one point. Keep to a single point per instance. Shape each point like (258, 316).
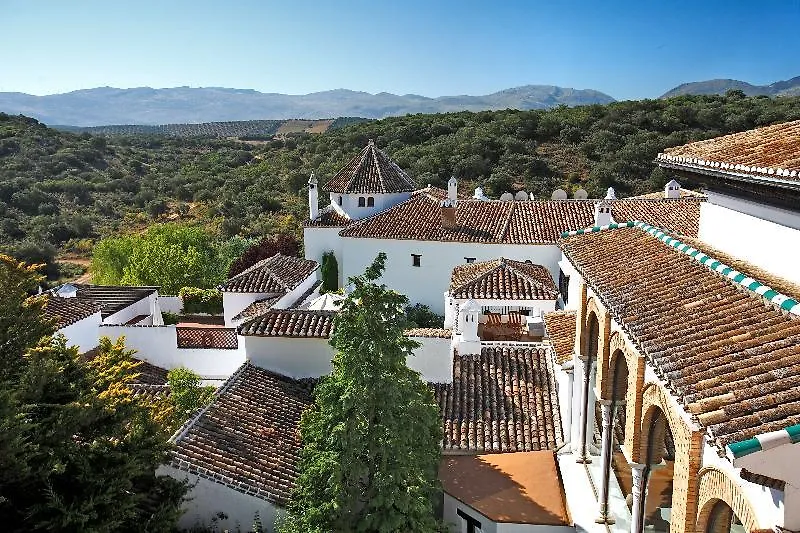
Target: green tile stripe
(765, 291)
(773, 439)
(595, 229)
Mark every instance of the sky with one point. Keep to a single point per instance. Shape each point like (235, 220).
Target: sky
(629, 50)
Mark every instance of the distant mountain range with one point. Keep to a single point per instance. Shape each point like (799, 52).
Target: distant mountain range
(779, 88)
(107, 105)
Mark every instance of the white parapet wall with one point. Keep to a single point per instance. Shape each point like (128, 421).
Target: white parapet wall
(291, 356)
(83, 333)
(433, 359)
(170, 304)
(207, 498)
(158, 345)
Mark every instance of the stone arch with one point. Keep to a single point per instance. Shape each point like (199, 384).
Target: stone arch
(591, 329)
(619, 348)
(688, 452)
(717, 486)
(600, 335)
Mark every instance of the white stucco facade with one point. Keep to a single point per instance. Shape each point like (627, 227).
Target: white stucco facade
(425, 284)
(208, 498)
(234, 303)
(459, 525)
(350, 203)
(84, 333)
(318, 240)
(296, 357)
(433, 359)
(765, 236)
(158, 345)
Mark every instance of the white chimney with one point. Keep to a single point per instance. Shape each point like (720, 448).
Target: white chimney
(479, 194)
(468, 342)
(672, 189)
(602, 213)
(313, 197)
(611, 194)
(452, 190)
(67, 290)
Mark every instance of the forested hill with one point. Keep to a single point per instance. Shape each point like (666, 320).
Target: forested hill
(57, 187)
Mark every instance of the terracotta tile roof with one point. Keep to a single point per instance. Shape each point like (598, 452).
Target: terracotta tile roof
(685, 193)
(503, 400)
(517, 488)
(438, 333)
(524, 222)
(259, 307)
(150, 374)
(731, 358)
(764, 481)
(289, 323)
(247, 439)
(768, 152)
(371, 171)
(328, 218)
(502, 279)
(67, 311)
(113, 299)
(275, 275)
(560, 327)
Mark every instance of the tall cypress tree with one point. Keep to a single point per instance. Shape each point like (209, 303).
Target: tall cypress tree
(371, 442)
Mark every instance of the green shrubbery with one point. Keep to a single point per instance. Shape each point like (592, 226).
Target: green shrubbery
(201, 300)
(330, 273)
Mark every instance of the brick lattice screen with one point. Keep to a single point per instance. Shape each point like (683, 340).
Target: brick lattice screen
(217, 338)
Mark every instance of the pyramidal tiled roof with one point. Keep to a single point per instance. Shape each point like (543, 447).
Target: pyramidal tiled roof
(371, 171)
(278, 274)
(503, 279)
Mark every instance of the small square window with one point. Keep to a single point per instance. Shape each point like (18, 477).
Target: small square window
(416, 260)
(469, 259)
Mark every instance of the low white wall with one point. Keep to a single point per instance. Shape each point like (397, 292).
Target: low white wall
(170, 304)
(208, 498)
(434, 359)
(83, 333)
(290, 356)
(158, 345)
(145, 306)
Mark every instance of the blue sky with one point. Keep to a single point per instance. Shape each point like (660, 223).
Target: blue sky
(626, 49)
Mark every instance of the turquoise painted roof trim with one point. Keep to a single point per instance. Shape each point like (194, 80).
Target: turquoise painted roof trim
(595, 229)
(765, 441)
(768, 293)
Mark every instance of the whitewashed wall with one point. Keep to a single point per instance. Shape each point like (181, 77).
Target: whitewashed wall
(433, 359)
(234, 303)
(293, 295)
(573, 287)
(773, 246)
(158, 345)
(350, 203)
(208, 498)
(296, 357)
(459, 525)
(83, 333)
(170, 304)
(317, 241)
(425, 284)
(145, 306)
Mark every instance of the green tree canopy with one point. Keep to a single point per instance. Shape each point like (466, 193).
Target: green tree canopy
(77, 451)
(371, 442)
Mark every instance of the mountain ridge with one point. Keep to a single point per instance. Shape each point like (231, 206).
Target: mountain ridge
(790, 87)
(103, 106)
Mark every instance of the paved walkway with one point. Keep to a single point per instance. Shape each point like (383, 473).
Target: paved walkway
(582, 493)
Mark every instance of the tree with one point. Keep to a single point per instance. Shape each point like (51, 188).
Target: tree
(371, 441)
(330, 273)
(283, 243)
(77, 451)
(187, 394)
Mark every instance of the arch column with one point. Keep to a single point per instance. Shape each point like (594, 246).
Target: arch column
(586, 392)
(609, 409)
(639, 494)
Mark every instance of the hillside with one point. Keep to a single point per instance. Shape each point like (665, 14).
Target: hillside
(243, 129)
(104, 106)
(58, 188)
(779, 88)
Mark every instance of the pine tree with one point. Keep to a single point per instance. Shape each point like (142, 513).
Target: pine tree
(371, 442)
(80, 452)
(330, 273)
